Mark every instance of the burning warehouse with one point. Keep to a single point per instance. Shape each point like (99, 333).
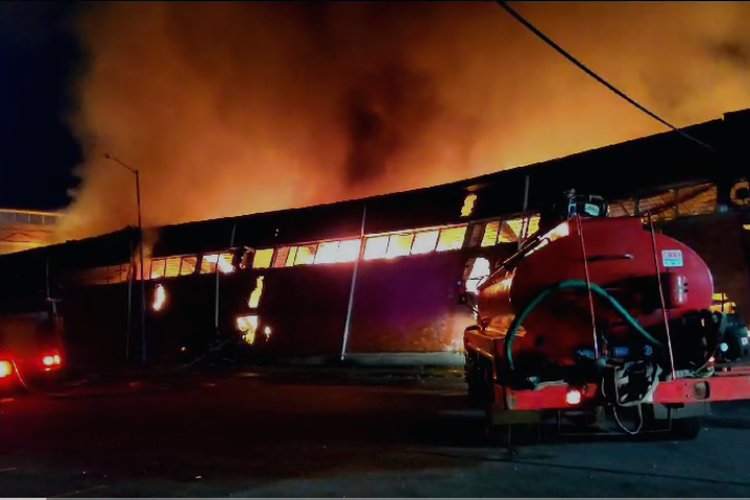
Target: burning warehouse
(377, 275)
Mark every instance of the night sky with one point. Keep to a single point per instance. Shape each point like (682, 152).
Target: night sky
(39, 59)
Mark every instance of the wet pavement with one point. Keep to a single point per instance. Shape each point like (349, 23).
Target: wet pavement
(310, 432)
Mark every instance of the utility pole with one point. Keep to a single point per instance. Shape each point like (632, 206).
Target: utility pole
(137, 174)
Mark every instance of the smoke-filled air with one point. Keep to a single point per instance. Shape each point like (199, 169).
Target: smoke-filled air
(231, 109)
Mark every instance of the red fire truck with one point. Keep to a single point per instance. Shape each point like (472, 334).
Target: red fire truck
(602, 323)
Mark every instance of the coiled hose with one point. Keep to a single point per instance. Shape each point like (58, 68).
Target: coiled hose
(571, 285)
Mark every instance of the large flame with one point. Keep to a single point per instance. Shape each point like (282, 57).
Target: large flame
(237, 108)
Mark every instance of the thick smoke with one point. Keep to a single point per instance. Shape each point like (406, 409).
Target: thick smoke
(238, 108)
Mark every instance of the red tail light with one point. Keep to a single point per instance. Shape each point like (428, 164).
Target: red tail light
(6, 368)
(51, 361)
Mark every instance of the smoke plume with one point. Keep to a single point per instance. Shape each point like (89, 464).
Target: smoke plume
(237, 108)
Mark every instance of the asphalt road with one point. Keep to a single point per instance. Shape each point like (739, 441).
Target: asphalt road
(313, 434)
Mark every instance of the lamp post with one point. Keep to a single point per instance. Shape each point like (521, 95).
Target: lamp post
(137, 174)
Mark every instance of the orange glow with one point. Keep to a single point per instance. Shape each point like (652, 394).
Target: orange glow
(469, 203)
(188, 265)
(451, 238)
(327, 253)
(399, 245)
(157, 268)
(247, 325)
(349, 250)
(160, 298)
(375, 248)
(424, 242)
(262, 258)
(173, 267)
(256, 294)
(6, 368)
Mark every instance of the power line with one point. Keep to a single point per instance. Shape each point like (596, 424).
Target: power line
(567, 55)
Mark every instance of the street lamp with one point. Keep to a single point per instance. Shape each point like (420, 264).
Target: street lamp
(137, 174)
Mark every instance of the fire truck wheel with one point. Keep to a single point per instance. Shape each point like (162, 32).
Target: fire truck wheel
(685, 429)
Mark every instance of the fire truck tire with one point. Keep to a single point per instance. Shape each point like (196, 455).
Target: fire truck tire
(686, 429)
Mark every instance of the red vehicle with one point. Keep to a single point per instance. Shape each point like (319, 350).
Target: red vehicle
(30, 350)
(602, 323)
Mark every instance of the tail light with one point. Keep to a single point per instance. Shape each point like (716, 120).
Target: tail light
(51, 361)
(6, 368)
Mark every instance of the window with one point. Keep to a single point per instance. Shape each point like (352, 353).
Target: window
(305, 255)
(399, 245)
(451, 238)
(623, 208)
(292, 255)
(513, 230)
(225, 262)
(157, 268)
(282, 253)
(349, 250)
(424, 242)
(327, 253)
(262, 258)
(188, 265)
(662, 206)
(489, 237)
(208, 263)
(697, 200)
(173, 267)
(376, 247)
